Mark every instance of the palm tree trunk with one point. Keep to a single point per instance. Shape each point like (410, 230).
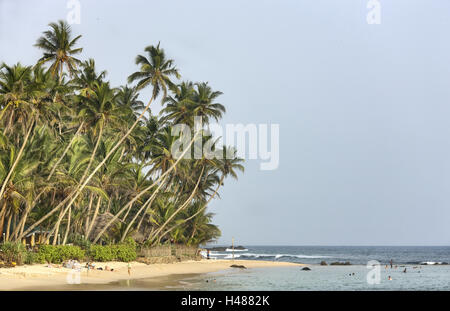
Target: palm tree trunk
(37, 223)
(8, 226)
(64, 211)
(56, 228)
(148, 202)
(126, 214)
(145, 190)
(68, 227)
(66, 150)
(19, 155)
(108, 155)
(23, 219)
(86, 171)
(199, 211)
(121, 154)
(91, 199)
(94, 217)
(179, 209)
(2, 218)
(144, 213)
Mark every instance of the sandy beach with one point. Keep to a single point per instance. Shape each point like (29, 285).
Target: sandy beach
(42, 277)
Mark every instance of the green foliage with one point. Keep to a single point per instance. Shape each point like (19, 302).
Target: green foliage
(59, 253)
(101, 253)
(13, 252)
(121, 252)
(62, 125)
(80, 241)
(125, 252)
(31, 258)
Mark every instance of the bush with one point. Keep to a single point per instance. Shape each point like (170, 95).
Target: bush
(59, 253)
(120, 252)
(13, 252)
(125, 252)
(80, 241)
(101, 253)
(31, 258)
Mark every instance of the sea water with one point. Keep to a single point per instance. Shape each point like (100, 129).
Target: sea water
(426, 269)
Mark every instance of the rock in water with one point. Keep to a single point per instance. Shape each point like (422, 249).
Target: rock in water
(238, 266)
(323, 263)
(347, 263)
(306, 269)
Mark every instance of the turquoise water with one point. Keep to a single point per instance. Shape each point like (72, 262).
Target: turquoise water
(354, 254)
(422, 272)
(323, 278)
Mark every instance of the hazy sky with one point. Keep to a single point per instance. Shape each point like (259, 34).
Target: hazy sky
(363, 109)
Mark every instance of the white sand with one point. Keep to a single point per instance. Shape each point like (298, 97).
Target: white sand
(36, 276)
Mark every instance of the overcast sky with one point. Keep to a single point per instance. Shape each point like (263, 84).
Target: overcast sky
(363, 109)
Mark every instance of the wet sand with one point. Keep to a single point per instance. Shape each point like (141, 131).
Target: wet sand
(145, 277)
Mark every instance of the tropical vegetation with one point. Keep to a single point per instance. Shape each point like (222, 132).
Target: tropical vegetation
(84, 162)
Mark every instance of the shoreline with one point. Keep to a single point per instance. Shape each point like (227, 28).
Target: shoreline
(41, 277)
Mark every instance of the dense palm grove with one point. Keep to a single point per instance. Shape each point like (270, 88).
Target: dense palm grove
(83, 160)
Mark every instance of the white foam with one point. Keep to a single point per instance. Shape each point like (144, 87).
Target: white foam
(256, 255)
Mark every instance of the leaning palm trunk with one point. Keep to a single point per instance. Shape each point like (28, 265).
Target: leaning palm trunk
(91, 199)
(94, 217)
(56, 228)
(151, 238)
(91, 160)
(2, 217)
(143, 214)
(8, 226)
(147, 203)
(23, 219)
(145, 190)
(19, 155)
(65, 151)
(68, 227)
(37, 223)
(79, 188)
(198, 212)
(108, 155)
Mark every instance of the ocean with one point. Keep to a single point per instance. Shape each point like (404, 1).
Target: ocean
(426, 269)
(414, 268)
(356, 255)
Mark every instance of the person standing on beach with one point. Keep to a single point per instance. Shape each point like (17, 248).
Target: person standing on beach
(129, 268)
(391, 263)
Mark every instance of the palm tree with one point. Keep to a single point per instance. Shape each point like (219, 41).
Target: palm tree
(59, 48)
(205, 106)
(90, 161)
(156, 72)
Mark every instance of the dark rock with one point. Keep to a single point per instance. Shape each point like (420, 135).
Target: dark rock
(323, 263)
(337, 263)
(238, 266)
(306, 269)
